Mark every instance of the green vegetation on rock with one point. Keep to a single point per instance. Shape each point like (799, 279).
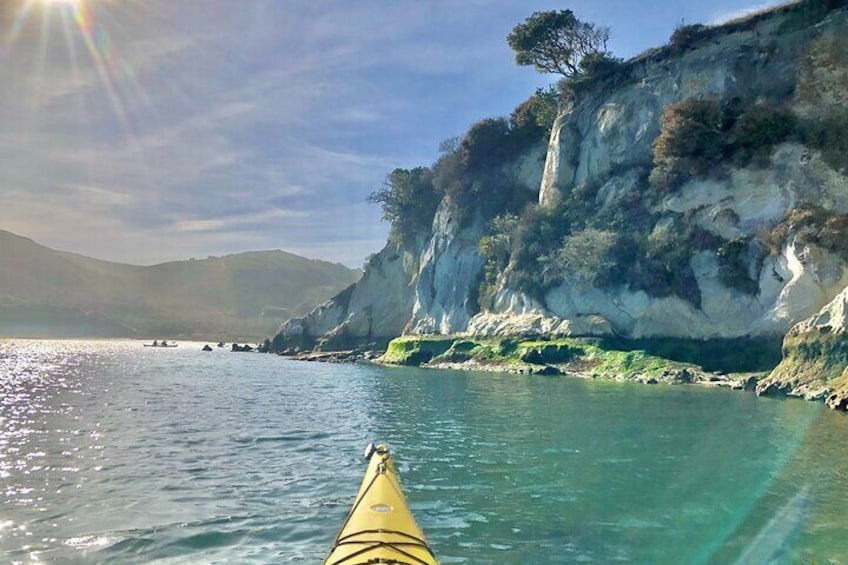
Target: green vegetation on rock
(409, 202)
(830, 136)
(575, 242)
(725, 355)
(813, 360)
(589, 357)
(416, 350)
(471, 172)
(557, 42)
(814, 366)
(702, 137)
(811, 225)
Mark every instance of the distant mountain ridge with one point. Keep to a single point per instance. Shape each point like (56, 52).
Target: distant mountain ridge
(49, 293)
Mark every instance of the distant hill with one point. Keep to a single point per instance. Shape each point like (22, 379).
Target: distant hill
(48, 293)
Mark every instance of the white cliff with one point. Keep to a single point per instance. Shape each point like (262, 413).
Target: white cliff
(605, 138)
(815, 357)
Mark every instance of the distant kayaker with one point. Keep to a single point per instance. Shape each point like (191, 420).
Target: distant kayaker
(155, 343)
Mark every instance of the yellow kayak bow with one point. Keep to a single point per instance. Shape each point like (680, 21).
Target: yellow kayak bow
(380, 528)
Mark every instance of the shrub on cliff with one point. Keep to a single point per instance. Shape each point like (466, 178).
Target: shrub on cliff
(733, 266)
(684, 36)
(532, 120)
(697, 137)
(496, 249)
(486, 145)
(409, 202)
(662, 266)
(690, 142)
(577, 244)
(599, 64)
(470, 172)
(808, 12)
(473, 175)
(535, 238)
(587, 258)
(830, 136)
(756, 131)
(812, 225)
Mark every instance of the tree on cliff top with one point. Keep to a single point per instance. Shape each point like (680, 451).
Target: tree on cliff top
(557, 42)
(409, 202)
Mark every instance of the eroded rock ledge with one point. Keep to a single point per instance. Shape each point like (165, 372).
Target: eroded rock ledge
(653, 361)
(815, 358)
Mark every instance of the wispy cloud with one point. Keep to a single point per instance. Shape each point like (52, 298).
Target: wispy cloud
(738, 13)
(193, 127)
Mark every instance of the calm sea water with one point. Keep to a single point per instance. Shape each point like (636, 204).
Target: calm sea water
(110, 452)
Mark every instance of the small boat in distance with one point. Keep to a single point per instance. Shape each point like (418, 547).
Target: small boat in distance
(163, 343)
(380, 527)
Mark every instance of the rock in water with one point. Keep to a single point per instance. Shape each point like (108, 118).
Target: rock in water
(815, 358)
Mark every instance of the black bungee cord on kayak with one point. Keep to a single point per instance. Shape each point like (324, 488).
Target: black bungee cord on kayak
(397, 546)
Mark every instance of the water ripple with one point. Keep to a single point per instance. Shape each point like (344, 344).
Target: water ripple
(113, 453)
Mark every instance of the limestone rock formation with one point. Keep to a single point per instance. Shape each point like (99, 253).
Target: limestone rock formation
(815, 357)
(377, 308)
(604, 139)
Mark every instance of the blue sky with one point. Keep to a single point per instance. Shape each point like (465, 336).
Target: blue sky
(144, 131)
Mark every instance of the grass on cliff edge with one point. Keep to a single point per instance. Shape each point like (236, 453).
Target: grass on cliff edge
(589, 356)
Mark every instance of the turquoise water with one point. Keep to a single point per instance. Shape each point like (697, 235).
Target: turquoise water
(110, 452)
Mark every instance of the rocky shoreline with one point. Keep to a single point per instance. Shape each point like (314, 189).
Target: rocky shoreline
(810, 362)
(752, 248)
(535, 358)
(343, 356)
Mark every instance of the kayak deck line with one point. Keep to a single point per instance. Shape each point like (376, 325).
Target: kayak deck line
(380, 527)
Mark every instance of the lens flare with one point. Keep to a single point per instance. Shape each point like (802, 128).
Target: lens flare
(82, 26)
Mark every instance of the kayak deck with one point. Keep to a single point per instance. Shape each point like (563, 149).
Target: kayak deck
(380, 527)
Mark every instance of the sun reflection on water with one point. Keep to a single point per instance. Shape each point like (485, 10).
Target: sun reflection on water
(41, 458)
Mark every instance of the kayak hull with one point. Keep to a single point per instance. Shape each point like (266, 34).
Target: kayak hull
(380, 527)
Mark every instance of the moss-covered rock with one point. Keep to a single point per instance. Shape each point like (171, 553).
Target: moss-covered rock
(587, 357)
(815, 358)
(547, 352)
(416, 350)
(459, 351)
(838, 399)
(814, 366)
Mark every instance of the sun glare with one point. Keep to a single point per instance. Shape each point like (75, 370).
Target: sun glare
(68, 3)
(80, 24)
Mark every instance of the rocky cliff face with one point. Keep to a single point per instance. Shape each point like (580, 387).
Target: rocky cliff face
(815, 357)
(375, 309)
(425, 288)
(606, 139)
(792, 284)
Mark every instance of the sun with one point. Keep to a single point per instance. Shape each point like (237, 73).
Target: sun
(80, 23)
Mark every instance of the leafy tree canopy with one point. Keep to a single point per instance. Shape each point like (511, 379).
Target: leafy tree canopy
(409, 202)
(556, 42)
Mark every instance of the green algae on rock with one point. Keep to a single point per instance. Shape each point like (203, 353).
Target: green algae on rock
(815, 358)
(586, 357)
